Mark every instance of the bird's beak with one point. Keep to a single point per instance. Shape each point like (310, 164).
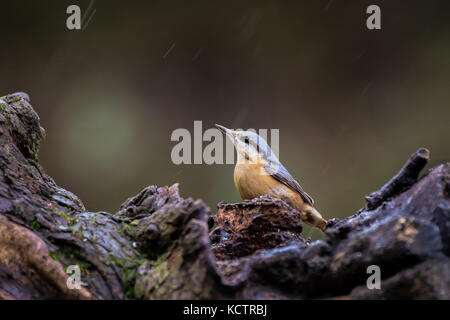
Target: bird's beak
(227, 131)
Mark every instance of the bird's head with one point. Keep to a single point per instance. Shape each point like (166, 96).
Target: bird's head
(250, 146)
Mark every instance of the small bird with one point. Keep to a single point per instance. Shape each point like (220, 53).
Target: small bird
(259, 172)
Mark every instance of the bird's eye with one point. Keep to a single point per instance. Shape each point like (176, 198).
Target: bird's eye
(246, 140)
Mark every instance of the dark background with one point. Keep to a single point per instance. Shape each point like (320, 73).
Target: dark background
(351, 104)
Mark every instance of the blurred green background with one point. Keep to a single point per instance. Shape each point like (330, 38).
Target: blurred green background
(351, 104)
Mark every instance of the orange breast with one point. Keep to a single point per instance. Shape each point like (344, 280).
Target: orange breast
(252, 181)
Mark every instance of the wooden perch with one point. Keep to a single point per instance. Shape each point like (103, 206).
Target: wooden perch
(161, 246)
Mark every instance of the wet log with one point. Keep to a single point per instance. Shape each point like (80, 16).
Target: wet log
(159, 245)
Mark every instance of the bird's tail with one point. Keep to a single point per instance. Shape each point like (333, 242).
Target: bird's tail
(314, 218)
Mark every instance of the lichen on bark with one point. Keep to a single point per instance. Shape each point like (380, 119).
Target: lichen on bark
(159, 245)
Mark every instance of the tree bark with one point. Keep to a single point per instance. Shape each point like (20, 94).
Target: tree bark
(161, 246)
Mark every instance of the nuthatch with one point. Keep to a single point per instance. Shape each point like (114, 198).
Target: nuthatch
(258, 172)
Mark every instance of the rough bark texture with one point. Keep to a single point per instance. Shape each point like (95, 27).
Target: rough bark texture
(161, 246)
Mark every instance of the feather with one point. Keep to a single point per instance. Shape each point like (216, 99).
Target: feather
(280, 173)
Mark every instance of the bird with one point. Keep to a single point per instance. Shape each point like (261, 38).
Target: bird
(258, 172)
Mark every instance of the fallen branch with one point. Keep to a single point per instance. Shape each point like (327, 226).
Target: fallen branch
(402, 181)
(160, 246)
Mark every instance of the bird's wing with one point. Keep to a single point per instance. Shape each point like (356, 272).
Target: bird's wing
(282, 175)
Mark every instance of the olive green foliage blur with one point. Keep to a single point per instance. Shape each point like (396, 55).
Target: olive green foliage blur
(351, 104)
